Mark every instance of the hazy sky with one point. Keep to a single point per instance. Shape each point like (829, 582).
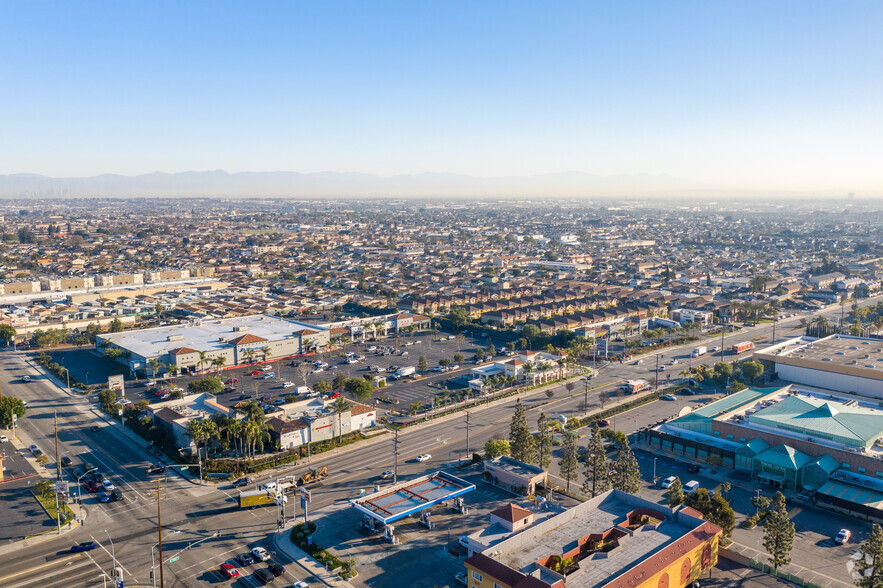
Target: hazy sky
(763, 94)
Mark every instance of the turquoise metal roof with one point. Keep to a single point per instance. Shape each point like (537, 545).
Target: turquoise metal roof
(828, 463)
(851, 425)
(725, 404)
(784, 456)
(852, 494)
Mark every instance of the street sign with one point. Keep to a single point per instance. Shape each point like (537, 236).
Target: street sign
(305, 495)
(119, 584)
(14, 417)
(117, 384)
(174, 559)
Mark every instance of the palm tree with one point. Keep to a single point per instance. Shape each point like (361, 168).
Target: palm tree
(173, 369)
(339, 407)
(219, 363)
(154, 365)
(249, 354)
(267, 353)
(202, 359)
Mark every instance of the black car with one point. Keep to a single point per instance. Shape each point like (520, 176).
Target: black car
(246, 559)
(117, 495)
(263, 576)
(229, 389)
(65, 461)
(94, 428)
(276, 569)
(87, 546)
(693, 468)
(156, 470)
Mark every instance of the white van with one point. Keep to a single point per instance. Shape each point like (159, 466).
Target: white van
(691, 486)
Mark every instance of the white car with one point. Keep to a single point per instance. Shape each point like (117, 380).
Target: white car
(424, 457)
(108, 485)
(26, 379)
(260, 553)
(4, 439)
(289, 385)
(463, 541)
(666, 483)
(300, 585)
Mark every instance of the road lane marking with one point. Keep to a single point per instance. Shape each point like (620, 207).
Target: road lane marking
(40, 579)
(66, 558)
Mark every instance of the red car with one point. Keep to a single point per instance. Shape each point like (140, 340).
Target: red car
(603, 423)
(255, 373)
(229, 570)
(90, 486)
(231, 381)
(335, 394)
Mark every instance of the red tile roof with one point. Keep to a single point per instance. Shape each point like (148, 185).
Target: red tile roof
(246, 339)
(511, 513)
(182, 351)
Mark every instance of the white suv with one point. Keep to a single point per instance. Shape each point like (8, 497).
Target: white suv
(260, 553)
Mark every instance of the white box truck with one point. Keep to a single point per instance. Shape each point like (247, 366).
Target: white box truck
(405, 371)
(697, 351)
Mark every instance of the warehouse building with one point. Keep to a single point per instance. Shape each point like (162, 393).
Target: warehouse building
(839, 362)
(210, 344)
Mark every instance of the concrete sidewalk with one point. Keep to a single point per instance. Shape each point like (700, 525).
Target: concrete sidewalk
(282, 542)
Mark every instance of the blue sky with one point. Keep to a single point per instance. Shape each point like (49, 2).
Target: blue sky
(726, 94)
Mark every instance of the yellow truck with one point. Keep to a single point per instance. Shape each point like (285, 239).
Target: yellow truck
(258, 498)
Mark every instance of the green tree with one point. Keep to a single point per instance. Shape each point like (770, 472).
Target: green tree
(675, 493)
(722, 371)
(338, 382)
(752, 370)
(154, 365)
(458, 317)
(459, 358)
(569, 463)
(116, 325)
(7, 334)
(359, 388)
(107, 400)
(323, 387)
(714, 507)
(10, 405)
(491, 351)
(626, 474)
(422, 364)
(869, 567)
(596, 468)
(495, 448)
(211, 385)
(520, 439)
(479, 354)
(778, 533)
(543, 443)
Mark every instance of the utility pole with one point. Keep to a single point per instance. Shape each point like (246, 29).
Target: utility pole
(57, 474)
(395, 459)
(162, 582)
(467, 433)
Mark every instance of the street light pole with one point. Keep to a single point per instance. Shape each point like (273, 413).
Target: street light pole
(113, 552)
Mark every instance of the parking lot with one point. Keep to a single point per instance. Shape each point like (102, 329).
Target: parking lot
(403, 352)
(22, 515)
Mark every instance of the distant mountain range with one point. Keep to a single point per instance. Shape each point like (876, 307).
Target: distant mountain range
(325, 184)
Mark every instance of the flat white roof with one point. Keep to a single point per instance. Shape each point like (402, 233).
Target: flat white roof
(206, 334)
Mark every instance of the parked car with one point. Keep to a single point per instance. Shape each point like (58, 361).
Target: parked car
(229, 381)
(229, 570)
(694, 468)
(255, 373)
(108, 485)
(260, 554)
(463, 541)
(33, 448)
(87, 546)
(246, 559)
(229, 389)
(460, 578)
(666, 483)
(4, 439)
(263, 576)
(424, 457)
(335, 394)
(300, 585)
(843, 536)
(276, 569)
(103, 497)
(669, 397)
(267, 368)
(289, 385)
(65, 461)
(117, 495)
(269, 376)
